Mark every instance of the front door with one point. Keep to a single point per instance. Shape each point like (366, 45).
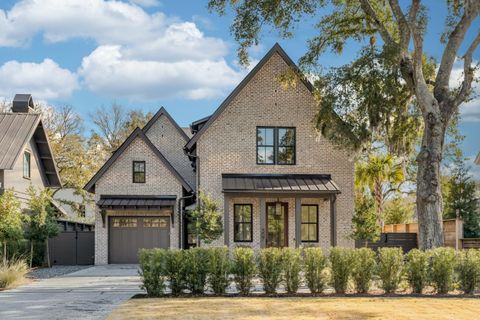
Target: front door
(277, 224)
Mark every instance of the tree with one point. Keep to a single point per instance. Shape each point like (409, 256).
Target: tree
(364, 221)
(42, 224)
(206, 219)
(382, 176)
(398, 210)
(461, 199)
(10, 220)
(402, 31)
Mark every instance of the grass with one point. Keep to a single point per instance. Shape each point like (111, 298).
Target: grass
(299, 308)
(12, 273)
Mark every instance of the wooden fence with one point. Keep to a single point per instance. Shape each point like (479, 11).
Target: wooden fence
(406, 241)
(471, 243)
(452, 233)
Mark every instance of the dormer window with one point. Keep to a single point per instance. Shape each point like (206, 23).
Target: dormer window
(138, 171)
(26, 165)
(276, 145)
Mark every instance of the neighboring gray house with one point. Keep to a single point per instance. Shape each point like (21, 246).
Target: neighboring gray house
(25, 155)
(278, 181)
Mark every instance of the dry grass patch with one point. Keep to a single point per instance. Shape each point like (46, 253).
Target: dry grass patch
(12, 273)
(299, 308)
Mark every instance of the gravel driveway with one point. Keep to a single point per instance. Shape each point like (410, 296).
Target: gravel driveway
(91, 293)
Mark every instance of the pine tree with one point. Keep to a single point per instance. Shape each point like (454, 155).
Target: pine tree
(365, 226)
(461, 199)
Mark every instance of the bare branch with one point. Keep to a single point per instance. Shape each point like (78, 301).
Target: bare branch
(369, 11)
(468, 73)
(455, 39)
(403, 27)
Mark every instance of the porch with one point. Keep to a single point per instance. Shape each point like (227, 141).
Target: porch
(272, 210)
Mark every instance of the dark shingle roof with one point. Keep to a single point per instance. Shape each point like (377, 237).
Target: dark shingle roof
(113, 201)
(279, 183)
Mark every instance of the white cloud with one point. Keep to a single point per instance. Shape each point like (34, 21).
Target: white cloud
(45, 80)
(146, 3)
(139, 55)
(470, 110)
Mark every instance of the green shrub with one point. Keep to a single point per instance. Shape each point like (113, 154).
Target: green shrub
(12, 272)
(314, 263)
(442, 268)
(218, 269)
(292, 264)
(196, 269)
(417, 269)
(243, 268)
(175, 270)
(390, 265)
(152, 268)
(341, 260)
(363, 268)
(269, 262)
(468, 270)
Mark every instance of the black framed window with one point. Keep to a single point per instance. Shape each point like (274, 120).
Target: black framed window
(138, 171)
(309, 226)
(276, 145)
(26, 165)
(242, 223)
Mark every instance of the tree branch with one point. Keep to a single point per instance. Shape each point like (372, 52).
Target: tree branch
(403, 27)
(468, 73)
(386, 36)
(455, 39)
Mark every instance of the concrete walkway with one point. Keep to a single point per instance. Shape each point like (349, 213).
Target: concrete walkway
(91, 293)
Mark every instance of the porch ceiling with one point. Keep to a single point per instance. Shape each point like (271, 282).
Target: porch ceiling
(279, 183)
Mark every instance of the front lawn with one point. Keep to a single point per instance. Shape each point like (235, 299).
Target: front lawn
(299, 308)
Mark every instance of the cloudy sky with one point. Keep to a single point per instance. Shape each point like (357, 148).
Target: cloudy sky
(151, 53)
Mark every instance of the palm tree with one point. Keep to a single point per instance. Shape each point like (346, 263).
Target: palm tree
(380, 175)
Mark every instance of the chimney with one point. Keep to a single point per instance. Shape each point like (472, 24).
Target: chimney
(22, 103)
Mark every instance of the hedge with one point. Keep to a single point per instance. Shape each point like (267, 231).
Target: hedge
(206, 270)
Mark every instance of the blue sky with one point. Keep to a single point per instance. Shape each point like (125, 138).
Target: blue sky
(149, 53)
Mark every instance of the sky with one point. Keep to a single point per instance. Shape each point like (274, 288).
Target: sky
(144, 54)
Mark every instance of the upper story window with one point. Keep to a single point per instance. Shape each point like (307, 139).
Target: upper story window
(26, 165)
(276, 145)
(138, 171)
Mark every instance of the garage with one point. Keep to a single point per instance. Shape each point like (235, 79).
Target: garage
(129, 234)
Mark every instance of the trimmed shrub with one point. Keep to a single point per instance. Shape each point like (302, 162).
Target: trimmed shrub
(341, 260)
(314, 263)
(292, 264)
(196, 269)
(243, 268)
(390, 265)
(442, 268)
(269, 262)
(362, 268)
(218, 269)
(417, 269)
(12, 272)
(152, 268)
(468, 270)
(175, 270)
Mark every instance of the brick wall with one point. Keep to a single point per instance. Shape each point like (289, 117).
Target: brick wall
(228, 146)
(118, 180)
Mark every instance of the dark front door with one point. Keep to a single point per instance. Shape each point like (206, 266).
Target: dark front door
(277, 224)
(127, 235)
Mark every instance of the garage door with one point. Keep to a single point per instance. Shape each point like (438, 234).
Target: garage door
(127, 235)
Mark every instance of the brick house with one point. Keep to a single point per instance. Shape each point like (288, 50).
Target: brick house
(278, 181)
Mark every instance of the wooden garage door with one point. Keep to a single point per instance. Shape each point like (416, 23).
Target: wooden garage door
(127, 235)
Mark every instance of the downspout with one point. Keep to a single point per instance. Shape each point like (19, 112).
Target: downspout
(180, 219)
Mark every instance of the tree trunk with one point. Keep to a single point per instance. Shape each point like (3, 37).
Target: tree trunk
(48, 253)
(5, 251)
(31, 252)
(429, 195)
(379, 201)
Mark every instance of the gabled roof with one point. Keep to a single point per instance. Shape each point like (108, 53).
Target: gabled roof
(90, 186)
(275, 49)
(164, 112)
(16, 130)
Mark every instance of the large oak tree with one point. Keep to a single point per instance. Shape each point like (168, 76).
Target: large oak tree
(401, 26)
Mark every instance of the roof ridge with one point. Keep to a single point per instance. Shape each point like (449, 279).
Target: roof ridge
(157, 115)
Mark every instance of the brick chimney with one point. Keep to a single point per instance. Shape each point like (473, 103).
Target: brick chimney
(22, 103)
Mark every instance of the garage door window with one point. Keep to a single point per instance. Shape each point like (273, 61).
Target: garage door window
(124, 222)
(154, 223)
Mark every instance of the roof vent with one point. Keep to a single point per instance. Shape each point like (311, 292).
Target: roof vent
(22, 103)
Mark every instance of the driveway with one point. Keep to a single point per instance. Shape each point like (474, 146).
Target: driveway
(90, 293)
